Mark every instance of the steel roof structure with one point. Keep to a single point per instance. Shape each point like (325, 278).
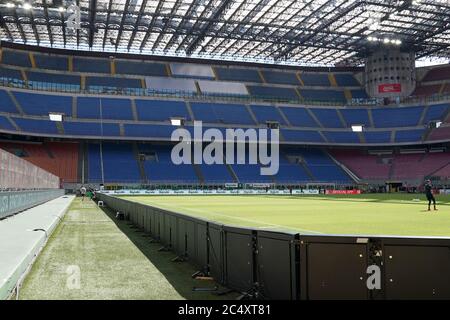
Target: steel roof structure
(295, 32)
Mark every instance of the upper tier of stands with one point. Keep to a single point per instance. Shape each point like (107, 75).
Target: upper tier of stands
(26, 112)
(72, 73)
(436, 81)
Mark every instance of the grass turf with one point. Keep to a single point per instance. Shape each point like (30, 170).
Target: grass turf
(115, 261)
(368, 214)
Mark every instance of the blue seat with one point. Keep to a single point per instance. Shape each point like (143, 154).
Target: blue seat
(43, 77)
(301, 136)
(409, 135)
(267, 113)
(396, 117)
(377, 136)
(359, 94)
(157, 110)
(341, 137)
(5, 124)
(7, 105)
(7, 74)
(116, 109)
(91, 65)
(323, 95)
(52, 62)
(94, 163)
(315, 79)
(436, 112)
(140, 68)
(112, 82)
(215, 173)
(221, 113)
(238, 74)
(91, 129)
(329, 118)
(120, 163)
(43, 104)
(278, 77)
(356, 117)
(279, 93)
(299, 117)
(148, 131)
(322, 167)
(36, 126)
(16, 58)
(346, 80)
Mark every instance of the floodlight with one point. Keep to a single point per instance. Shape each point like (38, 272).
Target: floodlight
(357, 128)
(55, 117)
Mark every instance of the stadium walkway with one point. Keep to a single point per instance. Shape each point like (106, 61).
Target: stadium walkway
(22, 237)
(92, 255)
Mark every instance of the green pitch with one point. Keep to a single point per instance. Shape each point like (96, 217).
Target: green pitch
(379, 214)
(91, 255)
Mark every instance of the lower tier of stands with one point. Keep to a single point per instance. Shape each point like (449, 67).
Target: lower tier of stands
(152, 163)
(140, 162)
(394, 166)
(59, 158)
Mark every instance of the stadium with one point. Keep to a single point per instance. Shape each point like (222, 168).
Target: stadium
(224, 149)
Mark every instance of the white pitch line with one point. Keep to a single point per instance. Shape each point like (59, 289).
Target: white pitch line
(243, 219)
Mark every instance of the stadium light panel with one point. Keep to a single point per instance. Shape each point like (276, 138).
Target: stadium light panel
(357, 128)
(55, 117)
(176, 122)
(26, 6)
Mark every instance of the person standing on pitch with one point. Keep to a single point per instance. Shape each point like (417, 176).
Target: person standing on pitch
(82, 192)
(429, 194)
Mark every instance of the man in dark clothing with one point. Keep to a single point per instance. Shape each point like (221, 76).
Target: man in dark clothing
(429, 194)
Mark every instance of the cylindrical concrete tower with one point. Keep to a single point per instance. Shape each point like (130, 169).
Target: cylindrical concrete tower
(390, 73)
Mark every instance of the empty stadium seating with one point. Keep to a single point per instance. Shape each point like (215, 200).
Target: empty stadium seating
(43, 104)
(157, 110)
(221, 113)
(394, 167)
(59, 158)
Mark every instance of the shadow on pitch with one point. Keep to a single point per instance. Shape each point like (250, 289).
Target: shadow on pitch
(179, 274)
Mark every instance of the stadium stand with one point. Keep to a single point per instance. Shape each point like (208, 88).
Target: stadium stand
(140, 68)
(237, 74)
(278, 77)
(299, 117)
(91, 65)
(160, 110)
(58, 158)
(323, 95)
(43, 104)
(7, 105)
(437, 74)
(396, 117)
(329, 118)
(267, 113)
(315, 79)
(221, 113)
(53, 62)
(365, 166)
(346, 80)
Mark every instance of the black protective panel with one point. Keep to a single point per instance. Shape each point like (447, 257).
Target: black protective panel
(200, 254)
(277, 277)
(191, 236)
(179, 245)
(239, 258)
(336, 271)
(215, 249)
(417, 272)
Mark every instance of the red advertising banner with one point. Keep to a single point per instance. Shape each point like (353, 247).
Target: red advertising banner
(390, 88)
(343, 191)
